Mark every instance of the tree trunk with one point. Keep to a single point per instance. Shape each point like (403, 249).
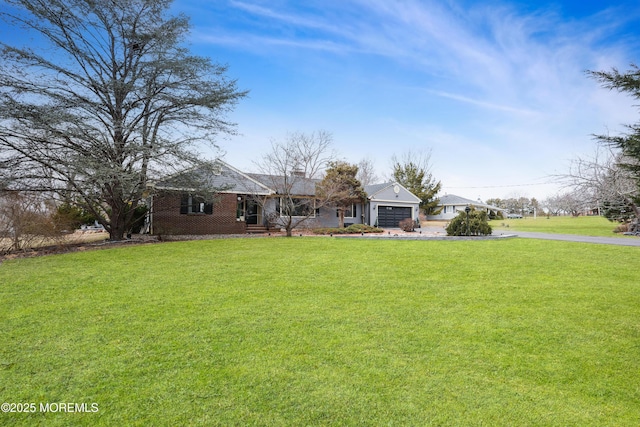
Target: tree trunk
(634, 227)
(289, 226)
(117, 230)
(117, 222)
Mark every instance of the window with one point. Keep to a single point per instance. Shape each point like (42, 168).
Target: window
(349, 211)
(296, 207)
(192, 204)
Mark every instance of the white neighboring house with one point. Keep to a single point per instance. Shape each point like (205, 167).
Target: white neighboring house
(452, 205)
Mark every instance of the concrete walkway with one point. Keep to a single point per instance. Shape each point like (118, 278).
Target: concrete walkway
(621, 241)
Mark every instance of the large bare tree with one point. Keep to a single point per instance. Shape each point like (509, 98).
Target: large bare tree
(107, 99)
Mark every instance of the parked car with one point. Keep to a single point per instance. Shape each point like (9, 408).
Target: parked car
(514, 216)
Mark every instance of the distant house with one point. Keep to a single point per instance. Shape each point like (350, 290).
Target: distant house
(246, 202)
(452, 205)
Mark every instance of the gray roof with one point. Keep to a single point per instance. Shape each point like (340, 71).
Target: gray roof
(453, 200)
(298, 185)
(374, 188)
(224, 178)
(221, 177)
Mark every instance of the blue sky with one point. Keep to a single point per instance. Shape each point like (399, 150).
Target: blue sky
(495, 89)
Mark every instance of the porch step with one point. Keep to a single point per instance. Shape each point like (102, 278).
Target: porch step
(256, 229)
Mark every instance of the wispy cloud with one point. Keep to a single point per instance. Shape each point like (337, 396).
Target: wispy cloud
(258, 44)
(516, 76)
(292, 19)
(484, 104)
(491, 56)
(484, 44)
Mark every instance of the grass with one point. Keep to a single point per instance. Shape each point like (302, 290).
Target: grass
(325, 331)
(582, 225)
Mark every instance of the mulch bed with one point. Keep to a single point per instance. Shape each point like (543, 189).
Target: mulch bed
(145, 240)
(73, 247)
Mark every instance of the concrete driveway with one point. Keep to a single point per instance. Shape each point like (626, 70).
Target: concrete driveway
(621, 241)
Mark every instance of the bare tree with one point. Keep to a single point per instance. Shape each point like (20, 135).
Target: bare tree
(292, 168)
(600, 179)
(519, 204)
(113, 100)
(573, 203)
(26, 221)
(553, 205)
(366, 172)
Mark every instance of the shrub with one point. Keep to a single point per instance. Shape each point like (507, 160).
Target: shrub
(407, 224)
(362, 228)
(352, 229)
(71, 217)
(478, 225)
(622, 228)
(26, 221)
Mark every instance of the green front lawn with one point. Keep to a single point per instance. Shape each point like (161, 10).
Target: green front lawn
(582, 225)
(325, 331)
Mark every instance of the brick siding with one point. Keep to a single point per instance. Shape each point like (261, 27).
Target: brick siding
(167, 218)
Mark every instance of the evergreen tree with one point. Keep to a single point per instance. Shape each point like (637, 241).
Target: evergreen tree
(478, 224)
(629, 142)
(413, 172)
(341, 188)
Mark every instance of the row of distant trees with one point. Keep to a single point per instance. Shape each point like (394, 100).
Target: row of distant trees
(567, 203)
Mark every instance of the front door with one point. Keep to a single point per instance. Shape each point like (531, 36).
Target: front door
(251, 213)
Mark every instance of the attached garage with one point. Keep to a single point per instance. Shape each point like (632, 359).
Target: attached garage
(390, 216)
(389, 204)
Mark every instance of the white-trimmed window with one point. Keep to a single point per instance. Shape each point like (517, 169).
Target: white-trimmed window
(192, 204)
(296, 206)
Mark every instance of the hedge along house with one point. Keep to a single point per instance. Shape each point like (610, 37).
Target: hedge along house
(452, 205)
(245, 203)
